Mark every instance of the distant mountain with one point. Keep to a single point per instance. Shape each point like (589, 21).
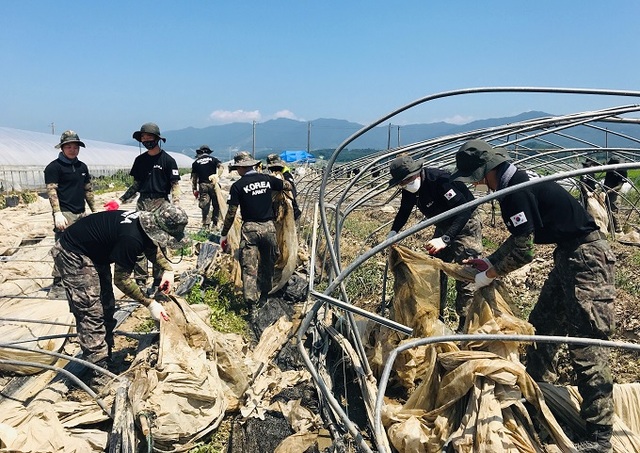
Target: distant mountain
(324, 133)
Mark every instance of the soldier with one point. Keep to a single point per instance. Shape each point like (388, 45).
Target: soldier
(155, 176)
(456, 238)
(205, 171)
(84, 254)
(68, 187)
(276, 165)
(613, 181)
(577, 297)
(258, 247)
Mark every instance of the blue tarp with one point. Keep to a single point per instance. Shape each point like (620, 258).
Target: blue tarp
(297, 156)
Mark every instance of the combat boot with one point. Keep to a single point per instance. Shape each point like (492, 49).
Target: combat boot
(598, 439)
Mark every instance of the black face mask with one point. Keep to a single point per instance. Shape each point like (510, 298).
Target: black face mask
(150, 144)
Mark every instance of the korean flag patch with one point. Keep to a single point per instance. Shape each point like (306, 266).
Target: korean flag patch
(518, 219)
(450, 194)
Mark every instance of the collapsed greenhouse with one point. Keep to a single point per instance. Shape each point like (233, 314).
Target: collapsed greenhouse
(350, 352)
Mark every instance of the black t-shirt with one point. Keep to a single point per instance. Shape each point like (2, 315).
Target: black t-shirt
(547, 210)
(205, 166)
(71, 179)
(155, 173)
(437, 194)
(253, 194)
(108, 237)
(615, 178)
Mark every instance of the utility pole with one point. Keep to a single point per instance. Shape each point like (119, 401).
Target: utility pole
(309, 136)
(398, 136)
(253, 140)
(53, 129)
(389, 137)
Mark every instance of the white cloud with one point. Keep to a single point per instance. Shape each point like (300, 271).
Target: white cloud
(286, 114)
(458, 119)
(237, 116)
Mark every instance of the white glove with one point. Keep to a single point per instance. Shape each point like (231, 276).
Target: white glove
(390, 235)
(481, 264)
(482, 280)
(213, 179)
(435, 245)
(166, 282)
(60, 220)
(157, 311)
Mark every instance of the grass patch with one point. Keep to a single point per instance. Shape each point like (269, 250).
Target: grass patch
(218, 293)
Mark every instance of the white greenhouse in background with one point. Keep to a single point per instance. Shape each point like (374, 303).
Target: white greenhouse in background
(25, 154)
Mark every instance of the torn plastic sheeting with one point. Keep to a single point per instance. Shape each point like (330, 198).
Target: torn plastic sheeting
(287, 240)
(493, 380)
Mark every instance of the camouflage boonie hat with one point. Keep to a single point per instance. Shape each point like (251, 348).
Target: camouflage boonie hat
(204, 149)
(243, 159)
(475, 159)
(149, 128)
(166, 226)
(69, 137)
(274, 161)
(403, 167)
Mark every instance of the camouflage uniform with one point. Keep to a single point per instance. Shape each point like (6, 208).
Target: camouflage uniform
(91, 301)
(577, 299)
(466, 244)
(141, 269)
(207, 199)
(258, 255)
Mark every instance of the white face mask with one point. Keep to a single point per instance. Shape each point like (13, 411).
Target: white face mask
(413, 186)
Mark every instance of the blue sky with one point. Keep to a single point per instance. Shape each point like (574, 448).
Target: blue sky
(104, 68)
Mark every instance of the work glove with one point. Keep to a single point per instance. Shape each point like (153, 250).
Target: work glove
(196, 193)
(60, 220)
(166, 282)
(157, 311)
(224, 244)
(481, 280)
(435, 245)
(390, 235)
(111, 205)
(481, 264)
(213, 179)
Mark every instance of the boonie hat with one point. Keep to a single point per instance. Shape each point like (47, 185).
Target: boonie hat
(69, 137)
(204, 149)
(475, 159)
(149, 128)
(274, 161)
(403, 167)
(166, 226)
(243, 159)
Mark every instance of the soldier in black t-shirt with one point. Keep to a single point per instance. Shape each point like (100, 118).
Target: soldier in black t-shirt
(155, 176)
(83, 257)
(577, 297)
(252, 193)
(204, 182)
(68, 186)
(455, 239)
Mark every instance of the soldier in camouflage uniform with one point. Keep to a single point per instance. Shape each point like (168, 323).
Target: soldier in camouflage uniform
(68, 187)
(456, 238)
(84, 254)
(156, 178)
(577, 297)
(275, 164)
(258, 246)
(204, 183)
